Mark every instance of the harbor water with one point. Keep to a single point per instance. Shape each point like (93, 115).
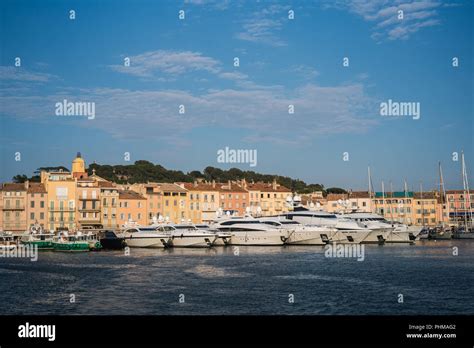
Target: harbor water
(432, 277)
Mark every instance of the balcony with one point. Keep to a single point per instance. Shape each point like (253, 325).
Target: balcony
(16, 225)
(58, 209)
(92, 209)
(15, 207)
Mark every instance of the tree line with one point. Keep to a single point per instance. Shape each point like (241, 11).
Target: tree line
(143, 171)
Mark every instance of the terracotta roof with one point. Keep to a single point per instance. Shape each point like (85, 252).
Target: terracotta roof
(425, 195)
(457, 191)
(359, 194)
(105, 184)
(127, 194)
(336, 196)
(36, 187)
(13, 187)
(199, 186)
(171, 187)
(267, 187)
(233, 187)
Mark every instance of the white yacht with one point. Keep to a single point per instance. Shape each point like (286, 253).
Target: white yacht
(300, 234)
(223, 238)
(187, 235)
(394, 233)
(347, 230)
(146, 237)
(250, 231)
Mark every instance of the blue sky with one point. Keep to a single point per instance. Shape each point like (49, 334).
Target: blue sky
(282, 62)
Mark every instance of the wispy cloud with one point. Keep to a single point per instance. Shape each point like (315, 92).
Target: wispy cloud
(215, 4)
(384, 15)
(305, 71)
(263, 26)
(134, 114)
(11, 73)
(168, 62)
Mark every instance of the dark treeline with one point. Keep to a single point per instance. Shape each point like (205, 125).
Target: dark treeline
(144, 171)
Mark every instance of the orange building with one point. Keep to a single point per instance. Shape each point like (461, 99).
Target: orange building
(233, 198)
(37, 211)
(131, 208)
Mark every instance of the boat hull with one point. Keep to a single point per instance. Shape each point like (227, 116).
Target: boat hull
(191, 241)
(74, 246)
(40, 244)
(257, 238)
(147, 242)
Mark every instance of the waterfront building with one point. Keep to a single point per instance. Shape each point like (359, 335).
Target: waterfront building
(88, 203)
(233, 198)
(14, 202)
(425, 208)
(268, 198)
(36, 205)
(164, 200)
(61, 188)
(459, 207)
(132, 207)
(174, 205)
(109, 195)
(352, 201)
(395, 206)
(203, 200)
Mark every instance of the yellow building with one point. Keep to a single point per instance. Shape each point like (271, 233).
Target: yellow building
(14, 203)
(109, 194)
(203, 200)
(61, 205)
(88, 204)
(267, 198)
(412, 208)
(349, 202)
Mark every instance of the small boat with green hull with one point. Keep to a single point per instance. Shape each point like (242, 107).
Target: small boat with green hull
(37, 237)
(76, 242)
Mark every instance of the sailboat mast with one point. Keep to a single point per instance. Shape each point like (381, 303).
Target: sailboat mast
(383, 199)
(467, 200)
(405, 202)
(442, 193)
(370, 189)
(422, 204)
(391, 202)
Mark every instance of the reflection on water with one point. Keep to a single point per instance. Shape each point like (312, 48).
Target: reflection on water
(243, 280)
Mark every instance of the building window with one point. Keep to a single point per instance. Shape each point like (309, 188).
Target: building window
(32, 204)
(32, 216)
(139, 216)
(41, 216)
